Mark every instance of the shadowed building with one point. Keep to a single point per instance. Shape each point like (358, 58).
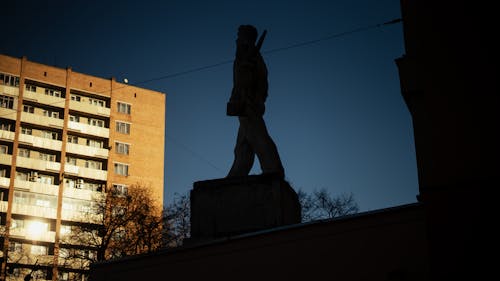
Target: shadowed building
(66, 137)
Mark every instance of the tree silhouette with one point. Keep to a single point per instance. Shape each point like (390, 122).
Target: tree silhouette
(322, 205)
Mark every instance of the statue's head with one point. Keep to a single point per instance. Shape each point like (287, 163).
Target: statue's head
(247, 34)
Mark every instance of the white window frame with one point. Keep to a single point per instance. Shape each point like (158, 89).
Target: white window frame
(123, 127)
(123, 107)
(122, 148)
(121, 169)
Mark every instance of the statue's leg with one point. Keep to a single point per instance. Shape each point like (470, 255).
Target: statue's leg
(244, 155)
(264, 147)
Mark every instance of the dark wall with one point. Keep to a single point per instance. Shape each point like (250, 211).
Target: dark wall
(385, 245)
(450, 83)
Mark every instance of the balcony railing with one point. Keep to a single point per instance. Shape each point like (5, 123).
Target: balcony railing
(36, 211)
(6, 135)
(4, 182)
(9, 90)
(86, 150)
(71, 215)
(37, 187)
(83, 194)
(37, 164)
(44, 99)
(89, 108)
(41, 142)
(46, 236)
(86, 172)
(42, 120)
(87, 129)
(5, 159)
(8, 113)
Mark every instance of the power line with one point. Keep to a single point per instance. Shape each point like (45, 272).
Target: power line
(293, 46)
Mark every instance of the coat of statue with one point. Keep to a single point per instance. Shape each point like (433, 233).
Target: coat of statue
(247, 101)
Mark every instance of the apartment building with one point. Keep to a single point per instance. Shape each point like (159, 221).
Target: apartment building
(66, 138)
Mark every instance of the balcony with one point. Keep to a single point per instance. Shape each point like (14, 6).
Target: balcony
(35, 211)
(89, 108)
(46, 236)
(8, 113)
(71, 215)
(37, 164)
(4, 182)
(43, 99)
(40, 142)
(86, 172)
(37, 187)
(86, 150)
(83, 194)
(6, 135)
(89, 130)
(42, 120)
(6, 159)
(9, 90)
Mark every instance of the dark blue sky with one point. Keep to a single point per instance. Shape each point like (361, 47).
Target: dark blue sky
(334, 109)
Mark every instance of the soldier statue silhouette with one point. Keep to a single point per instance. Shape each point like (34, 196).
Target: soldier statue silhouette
(247, 101)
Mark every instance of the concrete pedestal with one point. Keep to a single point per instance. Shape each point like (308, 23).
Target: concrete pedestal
(232, 206)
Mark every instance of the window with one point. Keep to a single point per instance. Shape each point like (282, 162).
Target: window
(23, 152)
(74, 118)
(6, 101)
(38, 250)
(95, 143)
(120, 189)
(28, 108)
(122, 148)
(50, 135)
(5, 126)
(15, 247)
(53, 93)
(123, 107)
(97, 102)
(26, 131)
(9, 80)
(45, 179)
(71, 160)
(121, 169)
(47, 157)
(4, 149)
(123, 127)
(76, 97)
(96, 122)
(49, 113)
(3, 173)
(31, 88)
(72, 139)
(22, 176)
(93, 164)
